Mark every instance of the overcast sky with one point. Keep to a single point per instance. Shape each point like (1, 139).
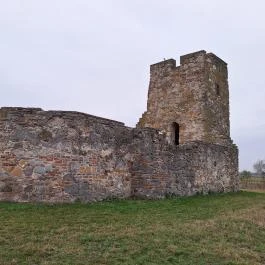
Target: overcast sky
(94, 56)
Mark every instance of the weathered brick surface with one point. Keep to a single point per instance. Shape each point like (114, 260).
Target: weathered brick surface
(161, 169)
(59, 156)
(65, 156)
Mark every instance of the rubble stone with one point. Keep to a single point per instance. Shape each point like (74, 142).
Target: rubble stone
(64, 156)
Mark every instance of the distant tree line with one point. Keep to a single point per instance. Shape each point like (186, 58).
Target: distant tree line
(259, 170)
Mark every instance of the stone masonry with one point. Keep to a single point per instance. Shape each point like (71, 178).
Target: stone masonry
(181, 146)
(194, 95)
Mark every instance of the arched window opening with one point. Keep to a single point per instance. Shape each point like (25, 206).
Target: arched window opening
(175, 133)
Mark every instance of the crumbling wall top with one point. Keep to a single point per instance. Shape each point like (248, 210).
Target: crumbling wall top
(169, 64)
(216, 58)
(8, 112)
(185, 58)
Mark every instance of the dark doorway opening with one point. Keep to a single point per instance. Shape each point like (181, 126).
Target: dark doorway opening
(175, 133)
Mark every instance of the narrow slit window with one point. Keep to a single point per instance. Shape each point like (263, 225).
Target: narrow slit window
(217, 89)
(175, 133)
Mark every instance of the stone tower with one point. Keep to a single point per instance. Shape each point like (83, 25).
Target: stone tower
(189, 102)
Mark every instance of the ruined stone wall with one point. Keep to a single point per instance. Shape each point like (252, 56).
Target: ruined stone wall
(61, 156)
(58, 156)
(188, 169)
(193, 95)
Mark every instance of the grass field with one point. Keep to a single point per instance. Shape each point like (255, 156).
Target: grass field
(214, 229)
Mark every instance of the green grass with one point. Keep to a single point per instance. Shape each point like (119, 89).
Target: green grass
(215, 229)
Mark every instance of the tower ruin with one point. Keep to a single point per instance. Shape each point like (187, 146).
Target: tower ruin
(189, 102)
